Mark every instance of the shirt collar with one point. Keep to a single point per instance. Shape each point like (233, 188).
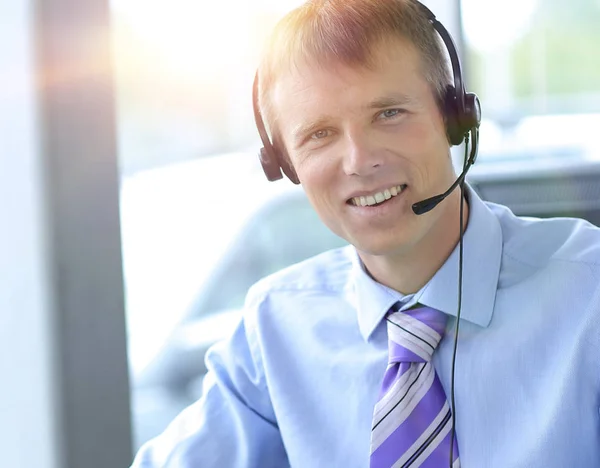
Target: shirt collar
(482, 250)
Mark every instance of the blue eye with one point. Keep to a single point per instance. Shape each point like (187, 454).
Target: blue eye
(319, 134)
(390, 113)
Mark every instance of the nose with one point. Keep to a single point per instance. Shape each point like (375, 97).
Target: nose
(361, 156)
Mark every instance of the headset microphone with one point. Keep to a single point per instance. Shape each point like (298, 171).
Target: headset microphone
(429, 204)
(463, 115)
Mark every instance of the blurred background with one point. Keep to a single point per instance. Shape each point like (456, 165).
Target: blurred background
(192, 247)
(197, 221)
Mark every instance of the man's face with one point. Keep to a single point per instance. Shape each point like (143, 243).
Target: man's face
(357, 135)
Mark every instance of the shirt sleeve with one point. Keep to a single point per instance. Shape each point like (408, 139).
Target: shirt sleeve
(233, 425)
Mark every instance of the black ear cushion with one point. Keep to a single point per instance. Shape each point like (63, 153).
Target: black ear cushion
(270, 165)
(472, 113)
(452, 115)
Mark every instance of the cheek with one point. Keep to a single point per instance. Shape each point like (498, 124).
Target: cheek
(315, 170)
(319, 182)
(428, 145)
(323, 204)
(424, 133)
(318, 187)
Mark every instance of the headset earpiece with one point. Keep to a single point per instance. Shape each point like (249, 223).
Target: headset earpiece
(471, 116)
(270, 165)
(451, 114)
(461, 114)
(271, 160)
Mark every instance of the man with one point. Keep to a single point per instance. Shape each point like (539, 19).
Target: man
(345, 360)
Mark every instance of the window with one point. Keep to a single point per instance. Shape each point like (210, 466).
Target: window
(535, 65)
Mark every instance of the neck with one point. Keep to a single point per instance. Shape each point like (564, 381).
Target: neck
(408, 271)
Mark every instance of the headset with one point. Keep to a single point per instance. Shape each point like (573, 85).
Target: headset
(462, 112)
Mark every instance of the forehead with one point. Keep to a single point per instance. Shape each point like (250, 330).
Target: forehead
(313, 86)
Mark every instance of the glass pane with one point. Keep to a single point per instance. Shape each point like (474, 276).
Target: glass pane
(536, 67)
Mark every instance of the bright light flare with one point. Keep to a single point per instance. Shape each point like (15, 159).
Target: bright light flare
(492, 25)
(188, 36)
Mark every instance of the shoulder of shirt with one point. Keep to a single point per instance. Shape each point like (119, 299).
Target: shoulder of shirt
(326, 272)
(536, 242)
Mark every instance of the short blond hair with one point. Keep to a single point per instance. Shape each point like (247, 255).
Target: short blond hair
(345, 32)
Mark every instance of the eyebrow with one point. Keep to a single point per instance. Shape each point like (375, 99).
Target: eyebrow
(391, 100)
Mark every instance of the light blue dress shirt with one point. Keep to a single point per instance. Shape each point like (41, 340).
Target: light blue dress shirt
(296, 383)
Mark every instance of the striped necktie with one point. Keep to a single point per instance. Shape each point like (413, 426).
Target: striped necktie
(412, 419)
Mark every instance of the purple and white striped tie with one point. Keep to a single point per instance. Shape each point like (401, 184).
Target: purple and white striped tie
(412, 420)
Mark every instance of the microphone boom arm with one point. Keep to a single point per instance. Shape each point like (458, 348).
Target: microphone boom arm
(429, 204)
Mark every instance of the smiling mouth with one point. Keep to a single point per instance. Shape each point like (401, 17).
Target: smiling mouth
(378, 198)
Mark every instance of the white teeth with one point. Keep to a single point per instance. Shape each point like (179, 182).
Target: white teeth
(377, 197)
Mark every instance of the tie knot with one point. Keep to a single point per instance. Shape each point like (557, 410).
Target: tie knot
(414, 334)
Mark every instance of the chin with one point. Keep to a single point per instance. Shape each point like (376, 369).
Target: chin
(382, 247)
